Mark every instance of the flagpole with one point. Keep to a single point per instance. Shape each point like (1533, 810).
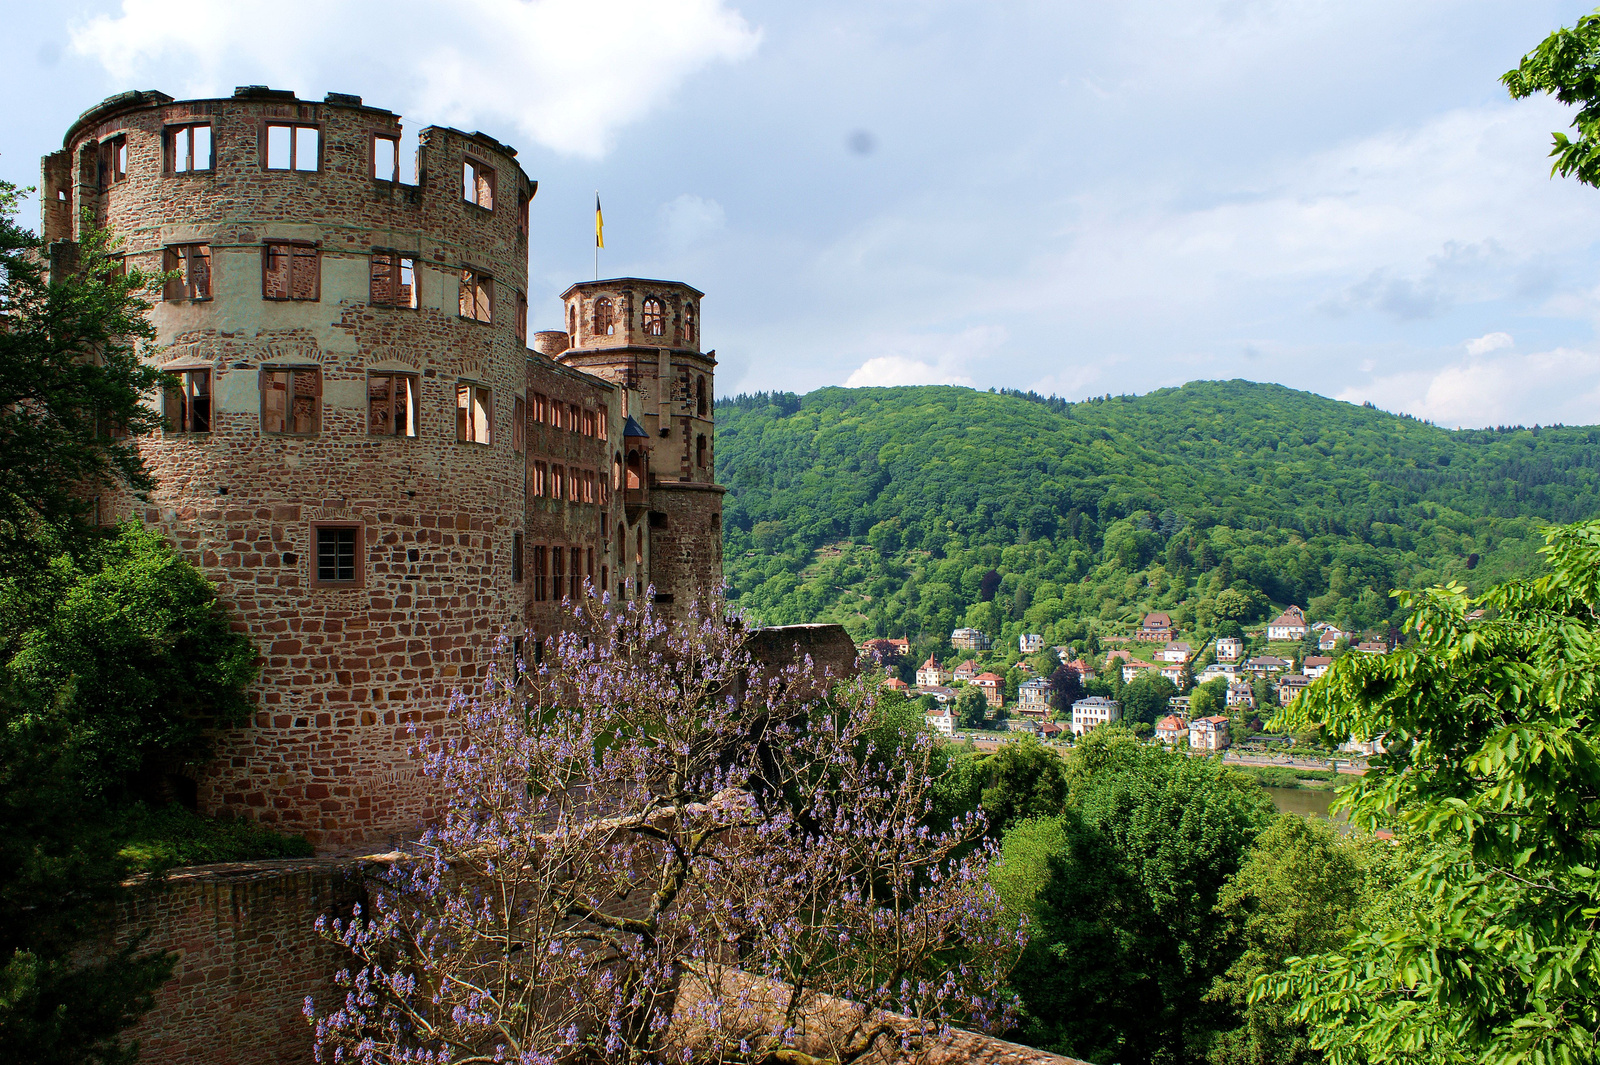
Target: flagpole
(599, 241)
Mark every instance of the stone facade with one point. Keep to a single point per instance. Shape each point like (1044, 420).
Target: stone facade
(366, 457)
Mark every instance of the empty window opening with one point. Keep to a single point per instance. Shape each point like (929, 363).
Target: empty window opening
(688, 324)
(605, 526)
(558, 482)
(519, 424)
(394, 280)
(522, 316)
(477, 295)
(588, 486)
(576, 585)
(189, 149)
(474, 413)
(574, 418)
(700, 404)
(616, 472)
(516, 558)
(602, 417)
(635, 472)
(477, 183)
(522, 215)
(655, 317)
(291, 399)
(386, 158)
(113, 160)
(392, 404)
(604, 323)
(541, 570)
(558, 570)
(638, 546)
(541, 480)
(190, 265)
(291, 272)
(541, 408)
(188, 402)
(605, 577)
(588, 423)
(294, 148)
(337, 559)
(572, 321)
(700, 450)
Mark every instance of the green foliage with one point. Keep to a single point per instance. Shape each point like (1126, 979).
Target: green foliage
(1025, 780)
(1145, 699)
(1492, 726)
(1218, 499)
(69, 373)
(127, 650)
(172, 836)
(1124, 943)
(1209, 699)
(1023, 868)
(971, 708)
(1300, 891)
(1566, 64)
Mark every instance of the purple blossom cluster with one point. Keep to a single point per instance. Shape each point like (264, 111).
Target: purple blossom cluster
(655, 848)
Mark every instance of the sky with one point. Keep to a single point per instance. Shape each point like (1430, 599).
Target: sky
(1079, 197)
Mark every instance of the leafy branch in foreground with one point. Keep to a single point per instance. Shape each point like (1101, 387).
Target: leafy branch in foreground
(652, 849)
(1491, 718)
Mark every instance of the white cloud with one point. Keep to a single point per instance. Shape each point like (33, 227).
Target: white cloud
(690, 219)
(899, 370)
(569, 74)
(1489, 342)
(1562, 385)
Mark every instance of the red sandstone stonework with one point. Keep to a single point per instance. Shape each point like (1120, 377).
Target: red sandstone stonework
(348, 670)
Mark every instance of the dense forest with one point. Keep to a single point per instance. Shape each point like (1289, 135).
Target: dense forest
(910, 511)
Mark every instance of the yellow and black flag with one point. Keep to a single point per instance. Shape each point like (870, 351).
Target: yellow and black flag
(599, 224)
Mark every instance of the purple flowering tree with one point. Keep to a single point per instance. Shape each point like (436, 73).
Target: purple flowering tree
(654, 849)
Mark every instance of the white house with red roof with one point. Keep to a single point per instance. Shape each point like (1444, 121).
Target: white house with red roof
(1171, 729)
(1208, 733)
(1289, 625)
(966, 671)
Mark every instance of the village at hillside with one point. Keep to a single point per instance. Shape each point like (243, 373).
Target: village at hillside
(1206, 690)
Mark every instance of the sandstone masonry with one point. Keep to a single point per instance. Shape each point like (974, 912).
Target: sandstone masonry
(364, 454)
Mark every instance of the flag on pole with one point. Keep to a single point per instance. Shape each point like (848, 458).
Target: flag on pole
(599, 224)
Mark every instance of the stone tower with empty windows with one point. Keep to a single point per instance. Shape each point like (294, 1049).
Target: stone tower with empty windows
(362, 450)
(643, 336)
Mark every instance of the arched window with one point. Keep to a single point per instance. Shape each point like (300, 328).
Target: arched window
(700, 450)
(572, 321)
(700, 398)
(688, 323)
(604, 322)
(635, 472)
(655, 317)
(616, 472)
(638, 547)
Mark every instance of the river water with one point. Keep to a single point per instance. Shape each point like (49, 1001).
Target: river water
(1306, 802)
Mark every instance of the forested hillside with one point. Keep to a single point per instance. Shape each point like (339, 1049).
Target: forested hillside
(909, 511)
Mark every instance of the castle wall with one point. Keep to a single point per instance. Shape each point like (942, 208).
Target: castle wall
(347, 667)
(247, 958)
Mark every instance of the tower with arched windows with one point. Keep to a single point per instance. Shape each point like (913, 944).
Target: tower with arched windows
(643, 336)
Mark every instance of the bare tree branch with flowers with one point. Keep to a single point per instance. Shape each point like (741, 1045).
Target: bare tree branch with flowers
(654, 849)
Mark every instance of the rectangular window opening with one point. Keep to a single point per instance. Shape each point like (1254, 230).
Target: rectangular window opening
(477, 295)
(192, 265)
(516, 558)
(291, 400)
(290, 271)
(386, 158)
(392, 404)
(474, 413)
(541, 569)
(291, 147)
(188, 402)
(522, 316)
(477, 184)
(393, 278)
(338, 554)
(519, 426)
(189, 149)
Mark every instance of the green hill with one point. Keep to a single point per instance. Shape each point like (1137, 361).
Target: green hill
(887, 508)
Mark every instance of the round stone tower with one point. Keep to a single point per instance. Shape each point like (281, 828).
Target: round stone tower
(644, 337)
(348, 338)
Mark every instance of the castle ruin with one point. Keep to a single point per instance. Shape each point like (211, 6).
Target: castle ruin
(364, 453)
